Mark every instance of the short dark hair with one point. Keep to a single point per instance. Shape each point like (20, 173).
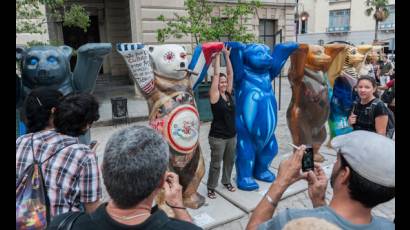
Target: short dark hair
(74, 113)
(135, 160)
(36, 110)
(366, 192)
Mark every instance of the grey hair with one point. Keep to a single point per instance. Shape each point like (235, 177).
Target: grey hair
(135, 160)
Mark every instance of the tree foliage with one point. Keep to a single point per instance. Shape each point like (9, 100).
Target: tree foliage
(30, 19)
(379, 10)
(231, 26)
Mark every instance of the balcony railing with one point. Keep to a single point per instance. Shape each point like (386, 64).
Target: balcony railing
(336, 29)
(386, 26)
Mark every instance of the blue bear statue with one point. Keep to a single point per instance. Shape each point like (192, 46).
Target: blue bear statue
(254, 69)
(49, 66)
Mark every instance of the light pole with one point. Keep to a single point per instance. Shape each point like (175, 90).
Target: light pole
(297, 19)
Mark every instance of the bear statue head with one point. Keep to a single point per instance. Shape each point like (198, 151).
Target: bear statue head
(169, 60)
(316, 58)
(353, 57)
(45, 65)
(258, 57)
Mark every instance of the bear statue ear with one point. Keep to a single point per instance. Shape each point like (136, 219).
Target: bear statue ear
(20, 51)
(67, 51)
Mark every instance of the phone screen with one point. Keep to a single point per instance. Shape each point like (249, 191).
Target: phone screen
(307, 160)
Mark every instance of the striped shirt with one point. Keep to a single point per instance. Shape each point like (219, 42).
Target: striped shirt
(71, 176)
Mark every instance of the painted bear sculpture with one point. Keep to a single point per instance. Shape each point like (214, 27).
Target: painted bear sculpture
(254, 69)
(164, 77)
(309, 106)
(343, 77)
(49, 66)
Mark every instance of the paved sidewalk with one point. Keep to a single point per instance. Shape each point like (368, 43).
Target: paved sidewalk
(235, 207)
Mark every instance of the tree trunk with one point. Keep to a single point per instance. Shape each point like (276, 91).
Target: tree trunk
(376, 30)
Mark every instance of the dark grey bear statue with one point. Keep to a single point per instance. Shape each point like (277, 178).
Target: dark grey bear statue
(49, 66)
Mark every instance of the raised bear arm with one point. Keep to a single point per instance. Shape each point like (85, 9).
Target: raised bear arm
(236, 57)
(89, 60)
(280, 54)
(139, 65)
(297, 64)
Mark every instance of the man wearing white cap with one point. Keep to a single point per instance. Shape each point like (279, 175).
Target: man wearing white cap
(362, 177)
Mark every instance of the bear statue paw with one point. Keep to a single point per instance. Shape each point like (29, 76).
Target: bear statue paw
(194, 201)
(247, 184)
(266, 176)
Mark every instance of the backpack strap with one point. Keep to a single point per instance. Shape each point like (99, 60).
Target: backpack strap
(373, 105)
(40, 171)
(68, 221)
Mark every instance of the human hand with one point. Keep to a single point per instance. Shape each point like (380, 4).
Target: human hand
(317, 184)
(290, 169)
(173, 190)
(226, 50)
(216, 54)
(94, 145)
(352, 119)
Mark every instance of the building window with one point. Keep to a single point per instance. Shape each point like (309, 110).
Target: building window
(389, 23)
(339, 20)
(267, 30)
(304, 18)
(304, 27)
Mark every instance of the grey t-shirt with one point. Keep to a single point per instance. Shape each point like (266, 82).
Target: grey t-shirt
(324, 212)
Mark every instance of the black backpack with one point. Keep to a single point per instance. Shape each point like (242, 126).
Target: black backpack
(391, 120)
(32, 202)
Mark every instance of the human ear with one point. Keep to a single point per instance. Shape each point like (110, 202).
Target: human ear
(345, 175)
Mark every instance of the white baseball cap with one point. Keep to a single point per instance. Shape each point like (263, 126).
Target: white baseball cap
(369, 154)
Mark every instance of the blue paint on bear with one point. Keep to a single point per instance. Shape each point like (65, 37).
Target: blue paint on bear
(256, 117)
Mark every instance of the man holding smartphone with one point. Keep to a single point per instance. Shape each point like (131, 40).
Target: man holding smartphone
(363, 177)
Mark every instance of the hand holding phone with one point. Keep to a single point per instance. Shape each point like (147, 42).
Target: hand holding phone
(307, 160)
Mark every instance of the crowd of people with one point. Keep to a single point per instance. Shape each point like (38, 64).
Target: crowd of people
(134, 167)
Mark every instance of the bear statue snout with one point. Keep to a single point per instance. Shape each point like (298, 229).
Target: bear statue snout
(182, 65)
(42, 73)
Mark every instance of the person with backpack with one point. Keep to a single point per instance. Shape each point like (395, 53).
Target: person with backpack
(369, 112)
(134, 171)
(66, 170)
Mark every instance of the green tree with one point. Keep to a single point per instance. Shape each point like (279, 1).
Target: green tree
(197, 24)
(380, 12)
(231, 25)
(30, 19)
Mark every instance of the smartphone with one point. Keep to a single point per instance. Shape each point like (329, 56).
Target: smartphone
(307, 160)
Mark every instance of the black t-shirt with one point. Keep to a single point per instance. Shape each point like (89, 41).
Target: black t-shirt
(102, 221)
(364, 119)
(223, 123)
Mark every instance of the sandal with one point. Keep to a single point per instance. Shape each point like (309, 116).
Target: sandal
(211, 193)
(230, 187)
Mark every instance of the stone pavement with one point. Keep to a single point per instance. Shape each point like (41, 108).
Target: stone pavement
(229, 210)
